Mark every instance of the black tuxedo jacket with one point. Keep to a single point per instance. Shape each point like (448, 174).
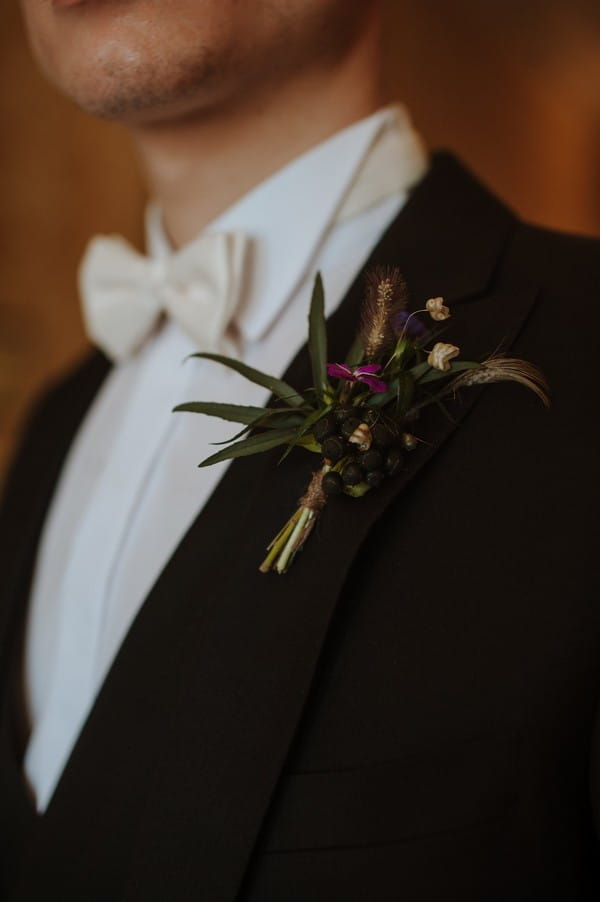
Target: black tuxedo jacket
(409, 713)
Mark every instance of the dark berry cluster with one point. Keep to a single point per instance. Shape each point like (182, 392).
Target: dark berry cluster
(365, 446)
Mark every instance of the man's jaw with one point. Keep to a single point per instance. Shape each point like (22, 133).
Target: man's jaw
(63, 4)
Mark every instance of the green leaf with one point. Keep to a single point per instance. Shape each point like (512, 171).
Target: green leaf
(286, 421)
(277, 386)
(457, 367)
(309, 443)
(356, 352)
(301, 433)
(405, 391)
(317, 336)
(400, 390)
(420, 369)
(255, 444)
(233, 438)
(314, 417)
(233, 413)
(403, 350)
(251, 417)
(283, 420)
(382, 398)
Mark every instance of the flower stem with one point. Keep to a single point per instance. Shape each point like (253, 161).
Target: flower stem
(278, 544)
(298, 528)
(294, 541)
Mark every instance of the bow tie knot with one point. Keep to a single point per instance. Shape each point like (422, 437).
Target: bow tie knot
(123, 293)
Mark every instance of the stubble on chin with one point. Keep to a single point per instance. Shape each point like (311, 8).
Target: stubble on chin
(132, 86)
(130, 66)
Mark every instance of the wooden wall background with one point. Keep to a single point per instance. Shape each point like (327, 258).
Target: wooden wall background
(512, 85)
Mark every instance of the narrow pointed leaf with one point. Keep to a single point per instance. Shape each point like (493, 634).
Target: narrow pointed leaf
(233, 413)
(302, 435)
(356, 352)
(382, 398)
(285, 421)
(309, 443)
(270, 417)
(233, 438)
(457, 367)
(418, 371)
(255, 444)
(277, 386)
(317, 336)
(424, 372)
(291, 421)
(405, 391)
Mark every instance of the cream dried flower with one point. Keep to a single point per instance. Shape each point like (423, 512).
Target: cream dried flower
(361, 437)
(437, 309)
(441, 355)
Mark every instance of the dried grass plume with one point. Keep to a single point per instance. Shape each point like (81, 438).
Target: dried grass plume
(506, 369)
(386, 295)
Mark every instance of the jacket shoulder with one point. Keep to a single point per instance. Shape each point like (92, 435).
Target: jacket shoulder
(565, 268)
(556, 254)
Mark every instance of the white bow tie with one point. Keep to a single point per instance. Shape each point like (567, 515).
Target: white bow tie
(200, 286)
(123, 293)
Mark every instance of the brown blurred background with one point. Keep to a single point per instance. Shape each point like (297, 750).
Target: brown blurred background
(513, 86)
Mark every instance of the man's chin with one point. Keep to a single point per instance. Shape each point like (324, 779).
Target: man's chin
(118, 59)
(137, 94)
(131, 107)
(120, 104)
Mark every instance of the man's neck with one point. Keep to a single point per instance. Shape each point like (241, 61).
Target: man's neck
(199, 167)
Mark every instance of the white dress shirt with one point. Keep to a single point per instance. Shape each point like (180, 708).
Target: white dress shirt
(131, 486)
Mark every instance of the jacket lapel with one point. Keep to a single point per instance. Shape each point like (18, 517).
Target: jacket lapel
(28, 490)
(181, 754)
(32, 479)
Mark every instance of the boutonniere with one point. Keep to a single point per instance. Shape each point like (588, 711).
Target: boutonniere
(360, 415)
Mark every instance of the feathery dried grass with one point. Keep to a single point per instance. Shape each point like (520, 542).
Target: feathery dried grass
(506, 369)
(386, 295)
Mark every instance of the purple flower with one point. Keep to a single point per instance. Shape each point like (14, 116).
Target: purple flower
(413, 324)
(358, 374)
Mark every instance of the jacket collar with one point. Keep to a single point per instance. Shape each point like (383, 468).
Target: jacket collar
(192, 727)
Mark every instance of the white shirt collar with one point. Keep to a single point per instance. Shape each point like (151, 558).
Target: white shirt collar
(289, 215)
